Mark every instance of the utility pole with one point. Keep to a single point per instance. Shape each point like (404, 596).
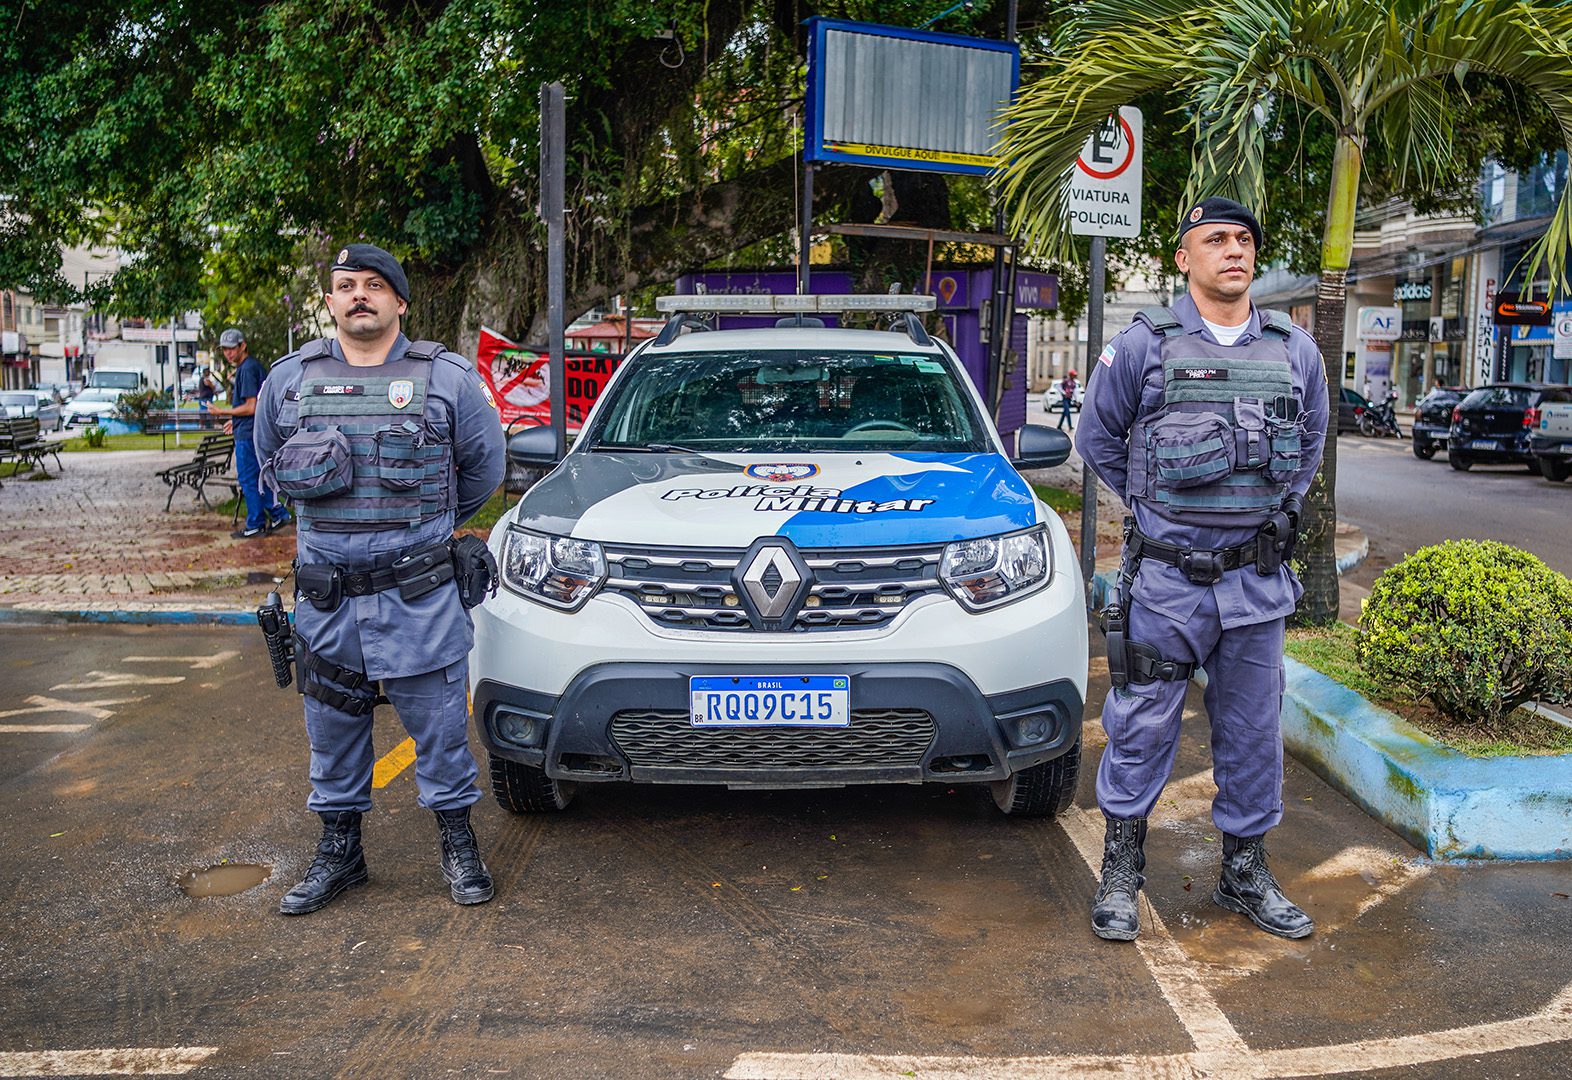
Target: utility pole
(552, 182)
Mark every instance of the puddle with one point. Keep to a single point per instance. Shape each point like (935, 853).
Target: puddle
(225, 880)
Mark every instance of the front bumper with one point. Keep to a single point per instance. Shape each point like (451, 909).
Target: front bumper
(912, 722)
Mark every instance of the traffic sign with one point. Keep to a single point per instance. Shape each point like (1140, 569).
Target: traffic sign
(1105, 185)
(1562, 349)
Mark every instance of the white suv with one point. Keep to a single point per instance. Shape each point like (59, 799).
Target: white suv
(786, 557)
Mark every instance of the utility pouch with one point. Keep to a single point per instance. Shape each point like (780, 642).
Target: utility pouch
(423, 571)
(395, 456)
(322, 584)
(1252, 444)
(475, 569)
(311, 465)
(1191, 450)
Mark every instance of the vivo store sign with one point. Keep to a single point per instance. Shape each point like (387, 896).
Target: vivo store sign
(895, 98)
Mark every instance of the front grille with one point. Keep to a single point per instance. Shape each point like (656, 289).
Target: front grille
(692, 588)
(876, 738)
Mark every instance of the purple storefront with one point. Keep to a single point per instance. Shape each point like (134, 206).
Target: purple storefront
(960, 294)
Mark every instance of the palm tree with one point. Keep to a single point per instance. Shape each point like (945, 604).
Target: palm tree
(1392, 67)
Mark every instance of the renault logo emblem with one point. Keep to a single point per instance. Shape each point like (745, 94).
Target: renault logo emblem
(772, 581)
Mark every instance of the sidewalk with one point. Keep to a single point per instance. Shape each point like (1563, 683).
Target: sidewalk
(93, 540)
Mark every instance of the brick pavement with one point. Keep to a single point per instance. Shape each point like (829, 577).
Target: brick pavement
(94, 537)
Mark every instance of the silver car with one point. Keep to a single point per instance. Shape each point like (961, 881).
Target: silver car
(15, 404)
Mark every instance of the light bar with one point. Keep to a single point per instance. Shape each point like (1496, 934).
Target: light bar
(792, 304)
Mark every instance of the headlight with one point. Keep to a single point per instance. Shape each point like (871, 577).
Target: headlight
(996, 569)
(558, 571)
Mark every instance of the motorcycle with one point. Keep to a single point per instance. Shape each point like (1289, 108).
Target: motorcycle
(1379, 421)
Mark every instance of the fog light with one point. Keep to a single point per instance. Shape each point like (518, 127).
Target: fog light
(519, 729)
(1033, 728)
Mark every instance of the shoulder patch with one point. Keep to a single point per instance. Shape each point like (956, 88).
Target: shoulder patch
(1107, 355)
(485, 388)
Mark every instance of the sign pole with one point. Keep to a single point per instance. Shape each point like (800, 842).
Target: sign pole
(552, 182)
(1094, 346)
(805, 230)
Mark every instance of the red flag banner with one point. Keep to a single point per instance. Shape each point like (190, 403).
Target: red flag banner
(520, 379)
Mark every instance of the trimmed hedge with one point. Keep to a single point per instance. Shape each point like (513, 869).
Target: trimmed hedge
(1476, 627)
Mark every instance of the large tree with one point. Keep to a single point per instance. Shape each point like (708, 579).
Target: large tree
(232, 140)
(1389, 74)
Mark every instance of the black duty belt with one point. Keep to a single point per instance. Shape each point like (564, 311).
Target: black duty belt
(1200, 566)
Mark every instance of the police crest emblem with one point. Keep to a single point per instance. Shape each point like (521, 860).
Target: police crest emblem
(400, 391)
(782, 472)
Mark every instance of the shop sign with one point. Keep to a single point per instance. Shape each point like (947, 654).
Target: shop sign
(1512, 310)
(1380, 323)
(1411, 290)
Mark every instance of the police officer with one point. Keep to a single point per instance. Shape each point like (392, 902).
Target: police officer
(384, 445)
(1208, 420)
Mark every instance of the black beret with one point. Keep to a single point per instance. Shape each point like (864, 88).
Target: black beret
(371, 257)
(1218, 209)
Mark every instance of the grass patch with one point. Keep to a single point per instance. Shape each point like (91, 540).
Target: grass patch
(135, 441)
(1330, 650)
(1058, 499)
(491, 513)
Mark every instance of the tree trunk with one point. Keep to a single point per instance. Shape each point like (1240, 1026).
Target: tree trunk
(1318, 530)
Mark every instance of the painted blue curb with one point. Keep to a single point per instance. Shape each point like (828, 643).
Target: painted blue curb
(1449, 805)
(129, 616)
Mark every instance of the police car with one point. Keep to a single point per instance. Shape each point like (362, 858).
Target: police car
(784, 557)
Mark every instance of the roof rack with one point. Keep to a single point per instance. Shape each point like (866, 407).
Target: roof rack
(696, 310)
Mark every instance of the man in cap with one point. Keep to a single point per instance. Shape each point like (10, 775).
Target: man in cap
(263, 513)
(384, 445)
(1208, 420)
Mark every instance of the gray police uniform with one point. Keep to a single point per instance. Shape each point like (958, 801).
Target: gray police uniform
(427, 451)
(1203, 442)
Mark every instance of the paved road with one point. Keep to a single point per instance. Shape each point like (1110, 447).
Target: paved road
(660, 932)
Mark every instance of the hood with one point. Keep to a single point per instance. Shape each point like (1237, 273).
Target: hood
(815, 500)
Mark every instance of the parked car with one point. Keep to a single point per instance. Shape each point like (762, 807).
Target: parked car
(1053, 398)
(1350, 407)
(1550, 434)
(92, 405)
(62, 391)
(1491, 425)
(1433, 419)
(15, 404)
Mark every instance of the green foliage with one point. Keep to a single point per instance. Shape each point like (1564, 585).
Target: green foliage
(1476, 627)
(95, 436)
(135, 405)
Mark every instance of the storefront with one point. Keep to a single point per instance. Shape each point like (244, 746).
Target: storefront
(1431, 350)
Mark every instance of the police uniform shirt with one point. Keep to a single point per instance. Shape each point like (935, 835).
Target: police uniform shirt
(1126, 383)
(382, 634)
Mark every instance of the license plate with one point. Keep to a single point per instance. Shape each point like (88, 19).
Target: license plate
(1566, 448)
(773, 701)
(1482, 444)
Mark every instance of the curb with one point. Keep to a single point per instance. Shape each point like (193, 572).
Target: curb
(25, 615)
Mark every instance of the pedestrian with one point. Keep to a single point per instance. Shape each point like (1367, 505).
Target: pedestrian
(207, 390)
(263, 513)
(1068, 388)
(384, 445)
(1208, 420)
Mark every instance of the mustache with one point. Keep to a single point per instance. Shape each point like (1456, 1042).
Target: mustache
(359, 309)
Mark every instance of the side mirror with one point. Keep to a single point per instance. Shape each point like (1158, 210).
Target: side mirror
(534, 448)
(1040, 447)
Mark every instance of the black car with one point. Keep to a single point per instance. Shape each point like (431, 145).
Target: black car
(1433, 419)
(1350, 407)
(1491, 425)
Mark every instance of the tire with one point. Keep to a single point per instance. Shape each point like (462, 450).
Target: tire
(1424, 451)
(1555, 471)
(1043, 790)
(1458, 461)
(1533, 467)
(526, 789)
(1367, 426)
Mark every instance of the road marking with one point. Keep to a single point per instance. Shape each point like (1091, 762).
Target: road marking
(42, 729)
(93, 710)
(1551, 1024)
(198, 663)
(104, 679)
(139, 1060)
(1361, 860)
(393, 762)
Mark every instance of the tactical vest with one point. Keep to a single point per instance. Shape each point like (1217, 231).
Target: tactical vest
(364, 458)
(1225, 444)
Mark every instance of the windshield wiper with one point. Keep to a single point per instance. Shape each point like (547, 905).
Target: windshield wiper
(649, 448)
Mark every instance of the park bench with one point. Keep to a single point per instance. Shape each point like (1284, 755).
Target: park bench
(21, 441)
(212, 460)
(166, 422)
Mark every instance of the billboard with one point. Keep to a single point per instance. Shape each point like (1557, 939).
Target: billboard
(520, 380)
(895, 98)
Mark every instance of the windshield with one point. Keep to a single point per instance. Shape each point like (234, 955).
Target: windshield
(1498, 397)
(99, 395)
(790, 399)
(18, 399)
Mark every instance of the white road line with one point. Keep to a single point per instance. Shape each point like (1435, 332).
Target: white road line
(42, 729)
(129, 1060)
(1552, 1024)
(1176, 976)
(197, 663)
(93, 710)
(1397, 874)
(104, 679)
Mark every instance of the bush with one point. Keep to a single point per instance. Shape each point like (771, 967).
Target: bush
(96, 435)
(1476, 627)
(134, 405)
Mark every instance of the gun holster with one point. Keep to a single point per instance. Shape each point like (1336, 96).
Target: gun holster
(1115, 625)
(1277, 537)
(475, 569)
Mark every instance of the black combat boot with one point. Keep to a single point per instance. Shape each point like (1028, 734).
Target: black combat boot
(1248, 887)
(340, 864)
(1114, 912)
(468, 879)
